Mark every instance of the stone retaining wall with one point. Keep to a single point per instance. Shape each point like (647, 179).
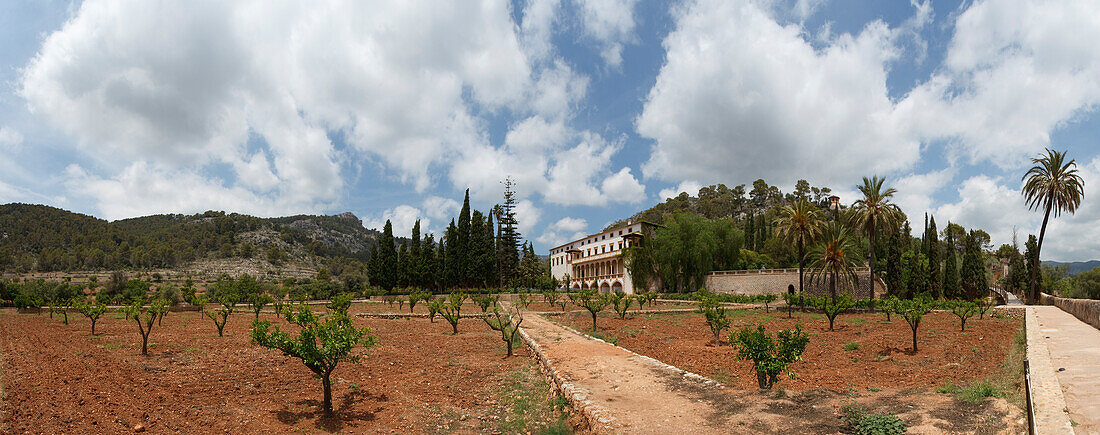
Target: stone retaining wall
(778, 281)
(1088, 310)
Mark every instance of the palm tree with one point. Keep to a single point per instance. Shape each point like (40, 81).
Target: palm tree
(799, 223)
(1054, 185)
(872, 213)
(835, 257)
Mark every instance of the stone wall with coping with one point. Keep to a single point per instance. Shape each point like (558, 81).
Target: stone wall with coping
(1088, 310)
(778, 281)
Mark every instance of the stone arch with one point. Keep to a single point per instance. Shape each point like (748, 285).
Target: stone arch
(576, 286)
(616, 286)
(790, 288)
(605, 287)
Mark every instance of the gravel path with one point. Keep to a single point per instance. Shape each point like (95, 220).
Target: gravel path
(627, 392)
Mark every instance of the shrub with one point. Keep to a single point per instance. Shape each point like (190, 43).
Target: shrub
(769, 358)
(591, 301)
(91, 310)
(621, 302)
(863, 423)
(145, 318)
(851, 346)
(24, 301)
(717, 318)
(507, 323)
(833, 307)
(221, 315)
(452, 310)
(321, 345)
(963, 310)
(913, 310)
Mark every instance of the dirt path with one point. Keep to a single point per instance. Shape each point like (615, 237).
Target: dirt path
(1075, 347)
(630, 393)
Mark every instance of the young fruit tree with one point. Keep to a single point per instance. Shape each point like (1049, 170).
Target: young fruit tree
(913, 310)
(770, 359)
(833, 307)
(145, 318)
(984, 305)
(591, 301)
(767, 299)
(551, 297)
(435, 306)
(646, 297)
(91, 310)
(259, 301)
(485, 301)
(417, 296)
(321, 345)
(221, 315)
(717, 318)
(888, 305)
(452, 309)
(963, 310)
(340, 303)
(507, 323)
(524, 300)
(621, 302)
(790, 299)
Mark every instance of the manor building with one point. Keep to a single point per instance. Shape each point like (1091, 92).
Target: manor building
(596, 261)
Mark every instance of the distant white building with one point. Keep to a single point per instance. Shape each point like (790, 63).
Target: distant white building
(596, 261)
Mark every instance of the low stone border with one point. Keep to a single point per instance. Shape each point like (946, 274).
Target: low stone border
(417, 315)
(1048, 403)
(598, 418)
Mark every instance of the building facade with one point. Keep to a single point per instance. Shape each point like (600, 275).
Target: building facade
(596, 261)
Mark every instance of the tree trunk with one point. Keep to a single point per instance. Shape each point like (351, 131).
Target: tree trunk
(831, 322)
(93, 326)
(763, 381)
(871, 267)
(509, 343)
(326, 383)
(1034, 293)
(145, 343)
(832, 286)
(593, 320)
(962, 325)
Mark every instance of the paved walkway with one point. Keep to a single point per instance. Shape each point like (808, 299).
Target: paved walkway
(1075, 347)
(623, 391)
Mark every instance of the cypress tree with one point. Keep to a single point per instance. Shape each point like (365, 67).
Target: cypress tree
(1031, 257)
(426, 262)
(893, 278)
(452, 265)
(974, 282)
(489, 264)
(750, 232)
(932, 251)
(461, 250)
(480, 247)
(951, 287)
(415, 271)
(403, 265)
(761, 232)
(387, 258)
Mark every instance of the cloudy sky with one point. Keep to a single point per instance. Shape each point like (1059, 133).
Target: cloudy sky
(597, 108)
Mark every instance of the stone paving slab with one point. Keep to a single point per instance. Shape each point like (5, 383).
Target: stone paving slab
(1073, 350)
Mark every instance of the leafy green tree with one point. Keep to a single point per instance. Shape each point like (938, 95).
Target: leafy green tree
(799, 223)
(435, 306)
(715, 315)
(145, 318)
(833, 307)
(91, 310)
(524, 300)
(506, 322)
(416, 296)
(620, 302)
(592, 301)
(1053, 185)
(984, 305)
(485, 301)
(889, 305)
(551, 297)
(873, 213)
(259, 301)
(321, 344)
(340, 303)
(770, 359)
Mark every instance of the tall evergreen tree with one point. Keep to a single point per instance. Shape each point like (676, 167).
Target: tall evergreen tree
(387, 258)
(973, 274)
(951, 284)
(894, 266)
(490, 262)
(415, 269)
(509, 240)
(932, 252)
(426, 275)
(750, 231)
(1031, 256)
(452, 264)
(761, 232)
(461, 250)
(404, 266)
(480, 253)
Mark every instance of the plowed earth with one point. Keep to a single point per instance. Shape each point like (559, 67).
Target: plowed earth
(60, 379)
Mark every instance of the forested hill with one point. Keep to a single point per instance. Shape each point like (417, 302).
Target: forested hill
(43, 238)
(719, 201)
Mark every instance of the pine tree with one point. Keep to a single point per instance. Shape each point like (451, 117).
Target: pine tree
(951, 287)
(974, 279)
(509, 240)
(932, 252)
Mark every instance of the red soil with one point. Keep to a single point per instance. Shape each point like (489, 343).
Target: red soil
(884, 358)
(419, 378)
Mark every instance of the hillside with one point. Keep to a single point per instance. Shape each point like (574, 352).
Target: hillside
(1076, 267)
(42, 238)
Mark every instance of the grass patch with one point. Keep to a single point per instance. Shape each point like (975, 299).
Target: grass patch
(613, 339)
(112, 346)
(857, 320)
(864, 423)
(851, 346)
(1007, 383)
(528, 406)
(633, 332)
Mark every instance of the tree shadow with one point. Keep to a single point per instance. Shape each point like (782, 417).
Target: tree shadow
(342, 413)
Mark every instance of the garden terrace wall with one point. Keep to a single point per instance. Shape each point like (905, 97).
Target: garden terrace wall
(1088, 310)
(778, 281)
